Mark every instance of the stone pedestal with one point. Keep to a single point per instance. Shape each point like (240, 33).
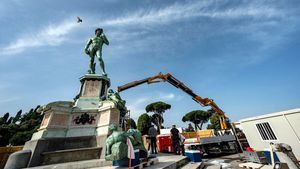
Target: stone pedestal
(87, 117)
(93, 89)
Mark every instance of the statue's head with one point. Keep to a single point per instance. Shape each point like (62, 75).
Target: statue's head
(112, 127)
(98, 31)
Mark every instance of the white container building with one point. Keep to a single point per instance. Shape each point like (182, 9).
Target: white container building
(279, 127)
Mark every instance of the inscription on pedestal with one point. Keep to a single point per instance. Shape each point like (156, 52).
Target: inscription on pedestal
(59, 120)
(104, 118)
(114, 117)
(91, 88)
(45, 120)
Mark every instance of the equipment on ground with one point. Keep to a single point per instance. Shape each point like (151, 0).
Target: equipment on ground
(178, 84)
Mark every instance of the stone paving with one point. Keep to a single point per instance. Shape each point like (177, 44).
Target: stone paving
(192, 165)
(226, 161)
(165, 161)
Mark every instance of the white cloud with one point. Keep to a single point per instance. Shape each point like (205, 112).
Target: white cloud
(169, 96)
(134, 25)
(253, 21)
(51, 35)
(180, 11)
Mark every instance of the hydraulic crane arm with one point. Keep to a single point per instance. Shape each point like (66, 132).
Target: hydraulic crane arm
(178, 84)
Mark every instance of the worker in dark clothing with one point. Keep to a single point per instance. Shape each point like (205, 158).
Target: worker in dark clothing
(152, 134)
(175, 139)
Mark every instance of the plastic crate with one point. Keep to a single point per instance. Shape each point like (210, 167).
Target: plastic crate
(193, 155)
(164, 143)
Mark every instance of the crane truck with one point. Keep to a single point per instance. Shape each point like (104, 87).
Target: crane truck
(209, 141)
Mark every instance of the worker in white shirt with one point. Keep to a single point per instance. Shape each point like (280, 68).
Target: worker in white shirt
(182, 139)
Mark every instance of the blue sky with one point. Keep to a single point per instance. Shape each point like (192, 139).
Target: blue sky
(242, 54)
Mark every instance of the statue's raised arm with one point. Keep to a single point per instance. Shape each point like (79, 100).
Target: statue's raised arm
(105, 40)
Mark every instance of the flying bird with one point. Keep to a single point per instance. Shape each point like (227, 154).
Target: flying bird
(79, 20)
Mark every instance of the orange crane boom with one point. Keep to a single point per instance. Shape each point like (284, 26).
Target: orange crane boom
(178, 84)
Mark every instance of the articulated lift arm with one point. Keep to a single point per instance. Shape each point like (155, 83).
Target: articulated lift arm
(178, 84)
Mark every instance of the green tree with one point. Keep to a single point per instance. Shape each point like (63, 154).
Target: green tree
(19, 129)
(131, 123)
(215, 122)
(32, 114)
(9, 120)
(155, 118)
(144, 123)
(198, 117)
(17, 116)
(4, 119)
(190, 128)
(158, 108)
(4, 135)
(19, 137)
